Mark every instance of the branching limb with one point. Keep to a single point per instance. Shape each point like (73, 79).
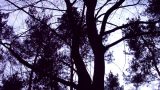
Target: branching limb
(101, 7)
(131, 36)
(74, 2)
(153, 56)
(25, 63)
(138, 2)
(114, 7)
(127, 25)
(60, 37)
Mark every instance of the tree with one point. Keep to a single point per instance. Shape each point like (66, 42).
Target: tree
(145, 48)
(112, 82)
(43, 40)
(12, 82)
(41, 43)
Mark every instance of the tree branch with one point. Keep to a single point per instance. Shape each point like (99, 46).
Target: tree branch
(131, 4)
(31, 74)
(131, 36)
(49, 8)
(74, 2)
(127, 25)
(25, 63)
(40, 22)
(114, 7)
(75, 54)
(101, 7)
(153, 56)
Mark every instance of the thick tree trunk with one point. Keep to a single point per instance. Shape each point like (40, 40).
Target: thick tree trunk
(84, 80)
(99, 70)
(97, 47)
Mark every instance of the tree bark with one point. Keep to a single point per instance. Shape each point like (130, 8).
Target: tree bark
(84, 80)
(71, 71)
(97, 47)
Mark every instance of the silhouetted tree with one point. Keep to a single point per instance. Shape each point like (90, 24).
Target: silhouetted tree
(112, 82)
(145, 48)
(83, 33)
(12, 83)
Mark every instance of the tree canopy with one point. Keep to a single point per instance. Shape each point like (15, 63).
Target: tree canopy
(61, 39)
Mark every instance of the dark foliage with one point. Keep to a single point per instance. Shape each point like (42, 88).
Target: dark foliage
(112, 82)
(153, 10)
(41, 48)
(66, 30)
(12, 83)
(145, 49)
(44, 45)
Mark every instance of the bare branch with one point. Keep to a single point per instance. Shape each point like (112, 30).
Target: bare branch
(109, 23)
(114, 7)
(39, 21)
(25, 63)
(48, 8)
(131, 36)
(137, 3)
(127, 25)
(101, 7)
(74, 2)
(25, 6)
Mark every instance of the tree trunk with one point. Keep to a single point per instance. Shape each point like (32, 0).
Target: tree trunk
(97, 46)
(71, 75)
(99, 70)
(84, 80)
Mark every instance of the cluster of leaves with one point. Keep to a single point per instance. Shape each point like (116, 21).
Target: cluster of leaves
(144, 48)
(145, 52)
(41, 46)
(153, 10)
(44, 45)
(13, 82)
(112, 82)
(65, 29)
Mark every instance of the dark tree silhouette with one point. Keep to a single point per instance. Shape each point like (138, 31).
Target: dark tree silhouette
(144, 48)
(12, 83)
(54, 51)
(112, 82)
